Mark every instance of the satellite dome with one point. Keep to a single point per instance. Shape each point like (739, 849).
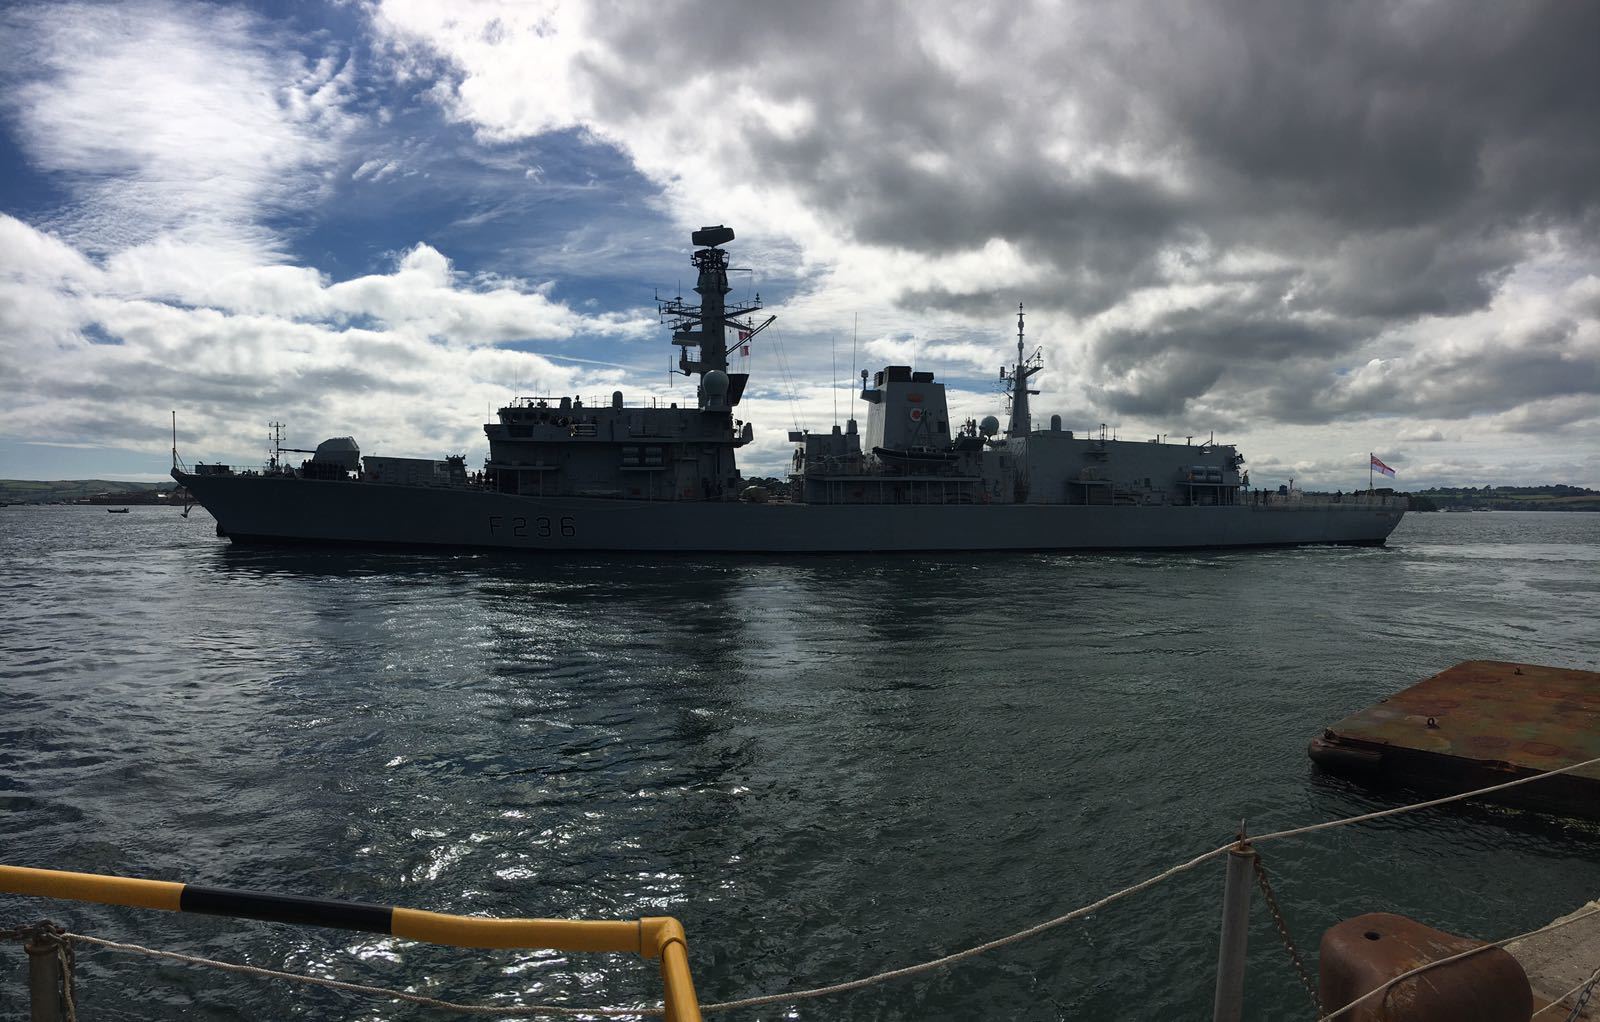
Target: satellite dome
(989, 426)
(715, 384)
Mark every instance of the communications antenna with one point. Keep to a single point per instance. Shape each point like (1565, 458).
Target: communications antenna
(1015, 380)
(855, 336)
(277, 441)
(704, 326)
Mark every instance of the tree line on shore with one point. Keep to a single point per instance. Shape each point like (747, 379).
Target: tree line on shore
(1547, 497)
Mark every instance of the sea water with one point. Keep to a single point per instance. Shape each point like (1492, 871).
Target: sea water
(824, 766)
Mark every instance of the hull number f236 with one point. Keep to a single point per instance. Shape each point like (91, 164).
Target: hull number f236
(542, 527)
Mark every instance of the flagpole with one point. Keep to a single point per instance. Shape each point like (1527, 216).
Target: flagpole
(1369, 473)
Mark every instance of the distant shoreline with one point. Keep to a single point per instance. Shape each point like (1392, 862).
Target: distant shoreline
(86, 491)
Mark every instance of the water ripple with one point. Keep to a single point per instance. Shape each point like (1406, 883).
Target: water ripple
(825, 767)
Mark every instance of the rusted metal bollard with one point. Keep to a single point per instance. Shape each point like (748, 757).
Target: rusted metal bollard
(44, 979)
(1364, 954)
(1229, 1003)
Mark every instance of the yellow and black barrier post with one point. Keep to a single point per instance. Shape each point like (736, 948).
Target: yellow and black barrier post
(659, 937)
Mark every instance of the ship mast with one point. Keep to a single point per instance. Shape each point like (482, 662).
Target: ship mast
(705, 326)
(1019, 375)
(277, 441)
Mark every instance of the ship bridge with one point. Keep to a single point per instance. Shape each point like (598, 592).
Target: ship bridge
(559, 446)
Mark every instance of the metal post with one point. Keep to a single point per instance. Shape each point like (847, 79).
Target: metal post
(44, 980)
(1229, 1003)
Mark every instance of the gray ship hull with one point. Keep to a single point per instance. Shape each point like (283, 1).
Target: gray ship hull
(269, 509)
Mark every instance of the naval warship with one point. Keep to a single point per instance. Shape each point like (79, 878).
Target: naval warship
(563, 475)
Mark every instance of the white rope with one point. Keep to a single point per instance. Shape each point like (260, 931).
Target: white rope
(923, 967)
(1031, 931)
(1558, 924)
(519, 1010)
(1296, 832)
(748, 1002)
(959, 956)
(1559, 1000)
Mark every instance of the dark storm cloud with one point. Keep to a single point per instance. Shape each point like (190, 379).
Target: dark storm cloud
(1223, 335)
(1402, 274)
(1281, 213)
(1175, 377)
(1104, 235)
(1398, 160)
(1548, 374)
(1392, 115)
(1157, 370)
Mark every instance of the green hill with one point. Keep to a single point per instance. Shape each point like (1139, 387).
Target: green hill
(1550, 497)
(34, 491)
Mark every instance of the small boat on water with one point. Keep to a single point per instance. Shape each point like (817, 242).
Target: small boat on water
(116, 510)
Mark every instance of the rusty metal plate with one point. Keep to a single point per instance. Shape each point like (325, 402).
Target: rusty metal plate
(1524, 716)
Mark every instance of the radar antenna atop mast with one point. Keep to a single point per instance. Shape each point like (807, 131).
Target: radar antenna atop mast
(1017, 378)
(704, 326)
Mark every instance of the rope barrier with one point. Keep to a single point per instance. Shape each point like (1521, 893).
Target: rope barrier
(748, 1002)
(951, 959)
(1577, 1008)
(48, 934)
(534, 1010)
(1380, 814)
(910, 970)
(518, 1010)
(971, 952)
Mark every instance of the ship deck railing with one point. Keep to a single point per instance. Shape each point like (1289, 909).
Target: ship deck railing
(1297, 501)
(652, 937)
(848, 477)
(589, 403)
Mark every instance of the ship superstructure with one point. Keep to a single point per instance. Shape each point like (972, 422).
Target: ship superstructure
(555, 446)
(659, 476)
